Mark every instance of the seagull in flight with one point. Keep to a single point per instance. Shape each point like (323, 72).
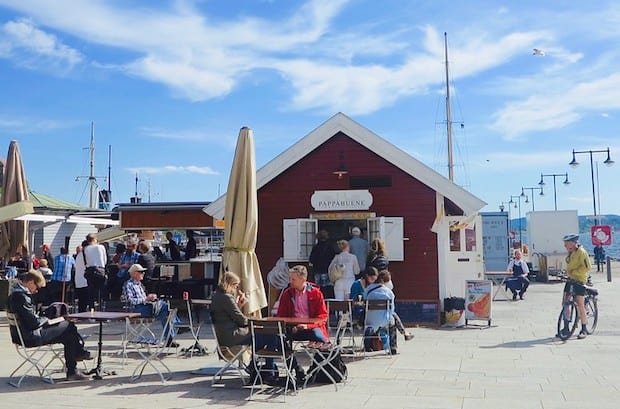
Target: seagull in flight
(538, 51)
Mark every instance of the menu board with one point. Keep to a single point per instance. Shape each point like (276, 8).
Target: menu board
(478, 300)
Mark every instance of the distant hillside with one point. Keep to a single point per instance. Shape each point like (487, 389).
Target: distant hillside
(585, 223)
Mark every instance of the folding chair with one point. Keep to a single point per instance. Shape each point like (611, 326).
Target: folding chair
(328, 352)
(38, 357)
(377, 305)
(135, 328)
(152, 349)
(234, 358)
(344, 308)
(284, 354)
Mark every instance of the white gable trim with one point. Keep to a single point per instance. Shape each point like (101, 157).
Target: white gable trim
(342, 123)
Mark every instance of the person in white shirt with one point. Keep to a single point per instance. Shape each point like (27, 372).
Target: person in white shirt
(342, 286)
(94, 256)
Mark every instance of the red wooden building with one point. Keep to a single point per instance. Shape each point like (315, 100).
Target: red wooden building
(342, 175)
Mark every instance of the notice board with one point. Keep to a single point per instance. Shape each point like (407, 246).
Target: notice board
(414, 312)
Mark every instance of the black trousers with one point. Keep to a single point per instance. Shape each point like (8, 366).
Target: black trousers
(84, 300)
(64, 333)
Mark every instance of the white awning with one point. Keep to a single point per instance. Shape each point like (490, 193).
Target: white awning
(92, 220)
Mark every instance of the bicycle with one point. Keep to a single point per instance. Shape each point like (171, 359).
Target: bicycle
(569, 317)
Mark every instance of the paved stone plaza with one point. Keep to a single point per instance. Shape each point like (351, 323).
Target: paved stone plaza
(514, 364)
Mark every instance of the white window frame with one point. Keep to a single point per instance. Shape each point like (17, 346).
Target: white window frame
(299, 238)
(391, 230)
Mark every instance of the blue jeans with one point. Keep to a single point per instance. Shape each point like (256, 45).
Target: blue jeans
(146, 310)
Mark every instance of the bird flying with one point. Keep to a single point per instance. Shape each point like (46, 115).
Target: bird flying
(538, 51)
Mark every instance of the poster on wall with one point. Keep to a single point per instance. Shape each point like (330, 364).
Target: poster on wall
(478, 300)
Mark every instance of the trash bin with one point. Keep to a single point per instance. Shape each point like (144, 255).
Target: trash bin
(454, 308)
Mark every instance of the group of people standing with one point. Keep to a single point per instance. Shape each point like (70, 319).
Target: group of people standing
(363, 275)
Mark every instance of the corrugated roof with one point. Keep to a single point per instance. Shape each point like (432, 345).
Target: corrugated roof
(41, 201)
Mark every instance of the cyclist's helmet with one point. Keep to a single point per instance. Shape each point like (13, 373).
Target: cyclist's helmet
(571, 237)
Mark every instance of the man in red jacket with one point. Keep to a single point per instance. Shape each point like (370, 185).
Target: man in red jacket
(303, 299)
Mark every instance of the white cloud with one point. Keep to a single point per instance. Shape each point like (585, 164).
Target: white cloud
(201, 170)
(24, 125)
(32, 47)
(552, 110)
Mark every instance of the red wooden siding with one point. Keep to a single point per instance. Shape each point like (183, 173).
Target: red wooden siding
(288, 197)
(165, 219)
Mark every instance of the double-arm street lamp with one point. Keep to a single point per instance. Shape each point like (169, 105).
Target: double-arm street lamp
(607, 162)
(555, 193)
(531, 189)
(517, 204)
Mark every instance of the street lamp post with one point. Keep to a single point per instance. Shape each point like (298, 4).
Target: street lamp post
(517, 204)
(531, 189)
(607, 162)
(555, 193)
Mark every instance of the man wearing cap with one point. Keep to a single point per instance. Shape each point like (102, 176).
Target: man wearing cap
(358, 247)
(37, 331)
(577, 267)
(147, 305)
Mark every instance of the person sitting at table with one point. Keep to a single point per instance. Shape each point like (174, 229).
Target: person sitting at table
(37, 331)
(519, 282)
(380, 321)
(147, 304)
(358, 288)
(303, 299)
(231, 326)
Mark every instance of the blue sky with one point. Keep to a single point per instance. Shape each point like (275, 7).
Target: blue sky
(169, 84)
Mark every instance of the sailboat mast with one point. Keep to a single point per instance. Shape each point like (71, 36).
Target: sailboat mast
(448, 114)
(91, 177)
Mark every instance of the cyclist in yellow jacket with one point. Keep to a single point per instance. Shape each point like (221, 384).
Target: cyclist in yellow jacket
(577, 267)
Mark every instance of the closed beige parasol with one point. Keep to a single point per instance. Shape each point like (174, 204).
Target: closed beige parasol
(14, 190)
(241, 223)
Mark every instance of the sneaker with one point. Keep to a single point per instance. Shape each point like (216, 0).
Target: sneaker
(582, 335)
(563, 333)
(172, 344)
(408, 336)
(514, 297)
(84, 356)
(77, 376)
(520, 296)
(393, 351)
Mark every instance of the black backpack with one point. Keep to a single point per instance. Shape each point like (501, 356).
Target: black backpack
(55, 310)
(336, 361)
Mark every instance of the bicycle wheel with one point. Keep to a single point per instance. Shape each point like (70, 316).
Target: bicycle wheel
(567, 319)
(592, 314)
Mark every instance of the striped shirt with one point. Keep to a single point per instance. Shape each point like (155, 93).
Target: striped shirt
(133, 292)
(63, 264)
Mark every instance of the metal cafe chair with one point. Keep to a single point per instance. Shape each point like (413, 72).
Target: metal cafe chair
(284, 354)
(151, 350)
(376, 305)
(38, 357)
(327, 352)
(344, 308)
(234, 358)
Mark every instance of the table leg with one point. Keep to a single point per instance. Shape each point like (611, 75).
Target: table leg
(98, 372)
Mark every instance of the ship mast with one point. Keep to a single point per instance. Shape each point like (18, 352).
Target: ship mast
(92, 179)
(448, 114)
